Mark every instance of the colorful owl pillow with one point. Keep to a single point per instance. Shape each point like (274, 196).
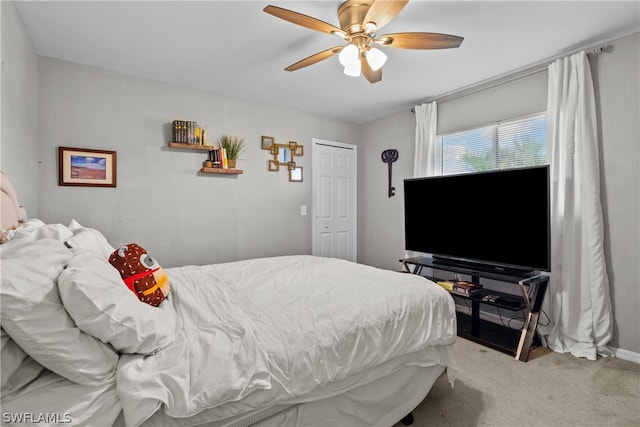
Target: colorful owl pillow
(141, 273)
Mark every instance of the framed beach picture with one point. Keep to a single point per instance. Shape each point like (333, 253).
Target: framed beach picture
(86, 167)
(267, 142)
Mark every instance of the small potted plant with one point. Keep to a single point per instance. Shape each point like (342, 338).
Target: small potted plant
(234, 147)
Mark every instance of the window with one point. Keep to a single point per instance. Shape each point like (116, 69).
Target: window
(516, 143)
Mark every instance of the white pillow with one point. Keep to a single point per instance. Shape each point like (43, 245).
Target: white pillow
(89, 239)
(23, 229)
(35, 229)
(33, 315)
(101, 304)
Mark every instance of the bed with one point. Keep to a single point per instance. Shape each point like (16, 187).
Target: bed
(280, 341)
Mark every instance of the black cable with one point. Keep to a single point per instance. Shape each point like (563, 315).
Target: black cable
(511, 318)
(466, 303)
(547, 317)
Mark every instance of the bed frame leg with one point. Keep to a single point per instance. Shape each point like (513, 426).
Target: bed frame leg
(407, 420)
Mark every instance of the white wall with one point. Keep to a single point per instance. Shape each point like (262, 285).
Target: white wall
(19, 133)
(380, 217)
(161, 201)
(518, 98)
(616, 84)
(618, 97)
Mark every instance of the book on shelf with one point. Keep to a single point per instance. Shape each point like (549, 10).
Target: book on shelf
(177, 131)
(446, 284)
(216, 158)
(188, 132)
(466, 288)
(225, 160)
(191, 132)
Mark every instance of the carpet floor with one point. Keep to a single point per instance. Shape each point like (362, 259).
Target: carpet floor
(551, 389)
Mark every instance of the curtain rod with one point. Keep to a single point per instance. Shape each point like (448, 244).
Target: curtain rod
(513, 75)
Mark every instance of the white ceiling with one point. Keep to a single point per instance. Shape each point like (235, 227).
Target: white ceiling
(235, 49)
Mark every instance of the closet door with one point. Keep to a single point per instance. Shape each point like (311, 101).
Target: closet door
(334, 199)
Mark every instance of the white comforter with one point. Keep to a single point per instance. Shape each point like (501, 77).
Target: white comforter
(274, 330)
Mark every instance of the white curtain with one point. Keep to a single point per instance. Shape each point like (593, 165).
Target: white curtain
(578, 300)
(426, 159)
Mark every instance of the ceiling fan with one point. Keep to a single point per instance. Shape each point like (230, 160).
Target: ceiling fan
(360, 20)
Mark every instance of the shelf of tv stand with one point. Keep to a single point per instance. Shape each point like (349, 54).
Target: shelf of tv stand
(478, 270)
(500, 304)
(532, 287)
(498, 337)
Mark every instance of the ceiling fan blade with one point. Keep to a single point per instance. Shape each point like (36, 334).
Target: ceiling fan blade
(368, 72)
(382, 11)
(310, 60)
(420, 40)
(303, 20)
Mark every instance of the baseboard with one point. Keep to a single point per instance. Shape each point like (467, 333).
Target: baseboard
(620, 353)
(623, 354)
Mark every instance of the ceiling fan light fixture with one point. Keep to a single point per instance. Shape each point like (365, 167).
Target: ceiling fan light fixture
(348, 57)
(370, 27)
(353, 70)
(360, 21)
(340, 34)
(376, 58)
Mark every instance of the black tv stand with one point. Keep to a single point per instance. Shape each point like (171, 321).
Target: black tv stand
(487, 268)
(533, 287)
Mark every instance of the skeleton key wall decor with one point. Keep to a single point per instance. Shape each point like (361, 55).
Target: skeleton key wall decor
(390, 156)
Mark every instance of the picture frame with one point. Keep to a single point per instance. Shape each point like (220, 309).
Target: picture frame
(86, 167)
(274, 166)
(284, 155)
(267, 142)
(295, 174)
(297, 149)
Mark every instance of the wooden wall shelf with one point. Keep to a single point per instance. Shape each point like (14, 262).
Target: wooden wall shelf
(200, 147)
(222, 171)
(192, 146)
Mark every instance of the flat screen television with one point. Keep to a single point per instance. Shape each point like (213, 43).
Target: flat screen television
(498, 219)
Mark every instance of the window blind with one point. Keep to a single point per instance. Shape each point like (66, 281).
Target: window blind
(509, 144)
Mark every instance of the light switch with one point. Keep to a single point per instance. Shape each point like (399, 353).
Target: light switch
(303, 209)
